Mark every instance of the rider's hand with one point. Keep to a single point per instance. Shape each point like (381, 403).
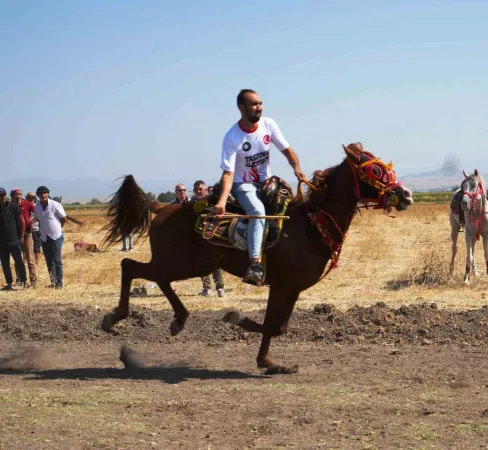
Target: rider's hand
(300, 174)
(21, 241)
(218, 210)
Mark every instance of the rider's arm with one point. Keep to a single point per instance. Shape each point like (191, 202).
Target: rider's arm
(292, 158)
(227, 164)
(226, 183)
(281, 144)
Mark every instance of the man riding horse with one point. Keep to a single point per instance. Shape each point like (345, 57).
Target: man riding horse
(245, 165)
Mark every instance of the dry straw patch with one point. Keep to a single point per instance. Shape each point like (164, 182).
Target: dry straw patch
(398, 261)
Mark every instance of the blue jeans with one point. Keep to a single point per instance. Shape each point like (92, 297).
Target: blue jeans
(247, 196)
(131, 241)
(52, 252)
(12, 248)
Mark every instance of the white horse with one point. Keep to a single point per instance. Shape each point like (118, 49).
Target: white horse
(470, 200)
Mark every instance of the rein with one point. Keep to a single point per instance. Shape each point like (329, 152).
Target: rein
(385, 200)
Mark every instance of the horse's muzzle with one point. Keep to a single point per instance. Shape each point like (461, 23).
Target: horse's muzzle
(405, 198)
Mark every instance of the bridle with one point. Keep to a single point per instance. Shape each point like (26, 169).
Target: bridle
(379, 175)
(384, 181)
(373, 172)
(481, 191)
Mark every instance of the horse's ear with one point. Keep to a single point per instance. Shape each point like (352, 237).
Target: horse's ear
(476, 173)
(465, 174)
(353, 151)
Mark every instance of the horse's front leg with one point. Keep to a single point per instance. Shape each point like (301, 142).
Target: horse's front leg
(281, 302)
(470, 239)
(278, 313)
(454, 239)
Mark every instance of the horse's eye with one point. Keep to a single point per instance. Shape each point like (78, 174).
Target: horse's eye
(376, 171)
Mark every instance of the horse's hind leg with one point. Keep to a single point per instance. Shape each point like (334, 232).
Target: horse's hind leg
(130, 269)
(485, 250)
(181, 314)
(454, 238)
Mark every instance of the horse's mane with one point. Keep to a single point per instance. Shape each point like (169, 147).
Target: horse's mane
(320, 179)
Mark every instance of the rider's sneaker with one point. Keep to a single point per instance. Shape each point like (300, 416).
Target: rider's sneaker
(221, 293)
(255, 274)
(206, 292)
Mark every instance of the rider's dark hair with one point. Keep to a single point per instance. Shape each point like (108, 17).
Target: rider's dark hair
(198, 183)
(240, 96)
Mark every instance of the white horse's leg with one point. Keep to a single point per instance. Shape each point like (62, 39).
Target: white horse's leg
(454, 220)
(470, 240)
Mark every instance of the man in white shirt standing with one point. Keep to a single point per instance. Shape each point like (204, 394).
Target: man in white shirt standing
(51, 218)
(245, 165)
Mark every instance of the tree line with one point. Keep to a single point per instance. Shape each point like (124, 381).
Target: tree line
(163, 197)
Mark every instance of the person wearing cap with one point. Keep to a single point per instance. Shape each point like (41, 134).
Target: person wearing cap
(27, 209)
(36, 234)
(12, 229)
(51, 218)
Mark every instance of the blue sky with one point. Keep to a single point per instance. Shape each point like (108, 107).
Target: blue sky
(106, 88)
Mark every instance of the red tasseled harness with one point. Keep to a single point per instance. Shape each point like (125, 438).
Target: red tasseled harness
(373, 172)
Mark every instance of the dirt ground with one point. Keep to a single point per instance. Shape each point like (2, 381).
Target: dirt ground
(370, 377)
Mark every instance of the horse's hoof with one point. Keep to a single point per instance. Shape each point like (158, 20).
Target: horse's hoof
(175, 327)
(232, 317)
(280, 370)
(128, 356)
(477, 274)
(108, 321)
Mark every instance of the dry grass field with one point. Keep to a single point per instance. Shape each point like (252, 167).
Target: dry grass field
(398, 261)
(380, 365)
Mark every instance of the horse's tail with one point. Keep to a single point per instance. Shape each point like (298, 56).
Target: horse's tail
(128, 212)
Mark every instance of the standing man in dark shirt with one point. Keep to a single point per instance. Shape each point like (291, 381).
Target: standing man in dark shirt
(27, 209)
(181, 197)
(12, 229)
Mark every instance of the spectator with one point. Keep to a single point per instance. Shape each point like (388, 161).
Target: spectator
(12, 229)
(27, 209)
(210, 190)
(36, 234)
(181, 196)
(127, 238)
(199, 191)
(52, 218)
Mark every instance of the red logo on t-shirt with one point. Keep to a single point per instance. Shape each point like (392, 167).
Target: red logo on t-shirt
(266, 139)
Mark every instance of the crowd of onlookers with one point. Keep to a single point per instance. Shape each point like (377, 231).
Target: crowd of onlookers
(200, 190)
(35, 223)
(28, 225)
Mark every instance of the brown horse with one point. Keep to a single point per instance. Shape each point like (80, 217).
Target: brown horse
(311, 238)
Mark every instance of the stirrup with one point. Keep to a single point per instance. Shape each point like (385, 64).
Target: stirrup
(255, 275)
(209, 228)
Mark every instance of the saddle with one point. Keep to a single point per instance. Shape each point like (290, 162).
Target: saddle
(456, 205)
(275, 194)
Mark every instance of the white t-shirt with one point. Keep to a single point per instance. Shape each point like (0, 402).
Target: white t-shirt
(247, 154)
(50, 219)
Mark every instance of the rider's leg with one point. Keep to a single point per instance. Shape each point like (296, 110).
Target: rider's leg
(247, 196)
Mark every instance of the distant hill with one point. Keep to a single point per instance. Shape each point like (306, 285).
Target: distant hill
(83, 190)
(433, 180)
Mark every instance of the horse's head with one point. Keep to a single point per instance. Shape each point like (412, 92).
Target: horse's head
(473, 189)
(375, 181)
